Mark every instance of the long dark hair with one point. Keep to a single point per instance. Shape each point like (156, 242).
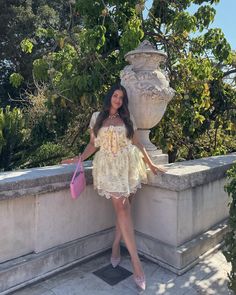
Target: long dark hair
(123, 111)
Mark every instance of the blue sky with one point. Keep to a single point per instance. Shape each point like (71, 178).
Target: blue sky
(225, 18)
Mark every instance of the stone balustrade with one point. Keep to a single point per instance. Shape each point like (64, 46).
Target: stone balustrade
(178, 216)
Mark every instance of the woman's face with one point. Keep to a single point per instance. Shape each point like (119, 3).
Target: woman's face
(117, 99)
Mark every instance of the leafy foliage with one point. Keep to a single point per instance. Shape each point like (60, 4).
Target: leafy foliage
(76, 51)
(89, 56)
(230, 239)
(26, 45)
(11, 135)
(19, 21)
(205, 101)
(16, 79)
(47, 154)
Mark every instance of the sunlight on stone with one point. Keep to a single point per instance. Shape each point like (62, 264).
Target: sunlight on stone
(6, 175)
(187, 284)
(162, 289)
(170, 285)
(187, 169)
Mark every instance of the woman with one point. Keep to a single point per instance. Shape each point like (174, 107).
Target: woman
(119, 168)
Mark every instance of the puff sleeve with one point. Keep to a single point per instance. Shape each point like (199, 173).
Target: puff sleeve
(93, 120)
(134, 123)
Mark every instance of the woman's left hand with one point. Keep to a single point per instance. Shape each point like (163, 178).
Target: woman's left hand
(155, 169)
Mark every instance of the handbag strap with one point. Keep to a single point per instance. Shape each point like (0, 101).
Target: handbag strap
(79, 165)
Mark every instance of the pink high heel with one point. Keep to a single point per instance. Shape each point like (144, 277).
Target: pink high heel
(115, 261)
(140, 282)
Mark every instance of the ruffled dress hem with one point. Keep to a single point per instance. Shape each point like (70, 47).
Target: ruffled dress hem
(117, 195)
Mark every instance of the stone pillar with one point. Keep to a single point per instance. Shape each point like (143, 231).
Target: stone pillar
(148, 91)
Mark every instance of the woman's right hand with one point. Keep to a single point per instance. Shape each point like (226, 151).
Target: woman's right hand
(157, 168)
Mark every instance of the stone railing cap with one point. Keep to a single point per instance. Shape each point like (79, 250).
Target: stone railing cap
(183, 175)
(179, 176)
(39, 180)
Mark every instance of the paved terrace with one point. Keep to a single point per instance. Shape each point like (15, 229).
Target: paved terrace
(209, 276)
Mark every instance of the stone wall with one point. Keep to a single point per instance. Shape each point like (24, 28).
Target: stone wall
(178, 216)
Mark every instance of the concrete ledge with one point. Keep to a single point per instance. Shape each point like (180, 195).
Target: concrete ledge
(189, 174)
(180, 176)
(181, 259)
(36, 181)
(19, 272)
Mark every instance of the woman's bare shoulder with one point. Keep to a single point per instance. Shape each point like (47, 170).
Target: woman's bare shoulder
(96, 113)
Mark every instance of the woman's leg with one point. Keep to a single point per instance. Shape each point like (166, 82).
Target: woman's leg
(118, 236)
(125, 223)
(116, 242)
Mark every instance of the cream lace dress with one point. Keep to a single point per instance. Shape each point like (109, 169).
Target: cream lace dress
(118, 166)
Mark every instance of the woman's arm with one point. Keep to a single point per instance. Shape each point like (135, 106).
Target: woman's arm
(88, 151)
(146, 158)
(90, 148)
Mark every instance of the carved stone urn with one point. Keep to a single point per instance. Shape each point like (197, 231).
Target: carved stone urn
(148, 91)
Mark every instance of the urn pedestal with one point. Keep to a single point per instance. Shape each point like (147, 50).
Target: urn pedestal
(149, 93)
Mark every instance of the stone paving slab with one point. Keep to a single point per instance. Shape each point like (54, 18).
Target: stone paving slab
(208, 277)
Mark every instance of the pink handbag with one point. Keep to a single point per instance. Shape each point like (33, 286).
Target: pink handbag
(78, 182)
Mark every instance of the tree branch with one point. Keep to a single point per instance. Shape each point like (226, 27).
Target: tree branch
(229, 73)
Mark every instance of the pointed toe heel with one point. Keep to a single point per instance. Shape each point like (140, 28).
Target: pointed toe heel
(115, 261)
(140, 282)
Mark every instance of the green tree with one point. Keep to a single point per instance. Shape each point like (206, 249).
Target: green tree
(19, 47)
(230, 238)
(202, 113)
(92, 54)
(12, 134)
(87, 59)
(86, 53)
